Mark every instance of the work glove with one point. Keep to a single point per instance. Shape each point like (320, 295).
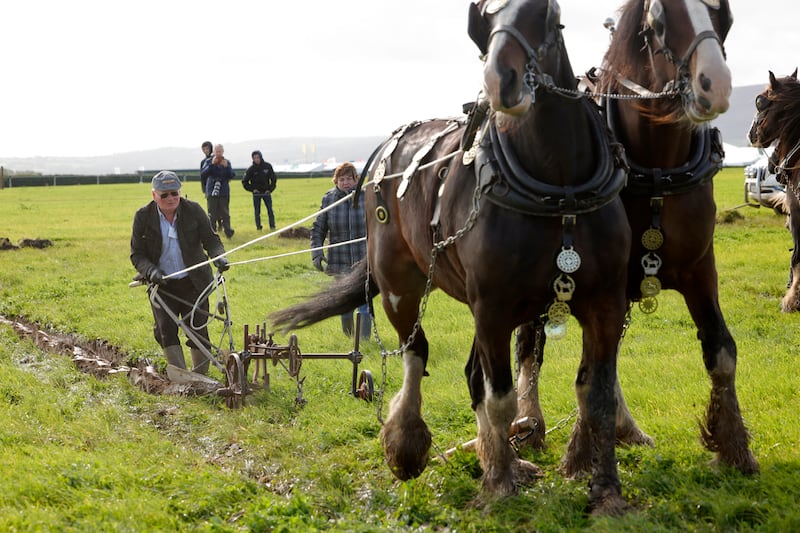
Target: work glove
(156, 276)
(318, 262)
(222, 263)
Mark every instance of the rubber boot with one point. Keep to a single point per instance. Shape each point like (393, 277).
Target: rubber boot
(199, 361)
(366, 327)
(174, 356)
(347, 324)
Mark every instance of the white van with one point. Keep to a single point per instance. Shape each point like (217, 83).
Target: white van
(761, 186)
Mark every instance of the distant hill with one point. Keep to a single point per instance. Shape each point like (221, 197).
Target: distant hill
(276, 151)
(733, 125)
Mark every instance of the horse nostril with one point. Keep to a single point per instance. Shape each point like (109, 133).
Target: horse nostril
(705, 82)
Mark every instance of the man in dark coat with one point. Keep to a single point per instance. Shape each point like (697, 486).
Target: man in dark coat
(170, 234)
(261, 181)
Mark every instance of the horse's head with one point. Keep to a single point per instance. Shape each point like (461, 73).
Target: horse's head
(523, 49)
(682, 50)
(777, 111)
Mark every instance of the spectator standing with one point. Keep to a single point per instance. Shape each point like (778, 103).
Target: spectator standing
(218, 174)
(260, 180)
(342, 223)
(207, 148)
(169, 234)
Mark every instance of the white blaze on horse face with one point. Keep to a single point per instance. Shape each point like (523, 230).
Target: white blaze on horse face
(711, 77)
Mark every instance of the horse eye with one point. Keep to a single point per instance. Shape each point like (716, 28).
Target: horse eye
(762, 102)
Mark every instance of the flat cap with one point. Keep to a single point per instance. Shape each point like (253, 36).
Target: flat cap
(166, 181)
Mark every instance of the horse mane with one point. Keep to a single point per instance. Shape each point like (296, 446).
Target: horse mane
(627, 57)
(787, 99)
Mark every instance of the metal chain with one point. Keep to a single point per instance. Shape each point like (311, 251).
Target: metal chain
(437, 247)
(615, 96)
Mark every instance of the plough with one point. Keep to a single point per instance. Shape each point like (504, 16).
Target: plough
(258, 349)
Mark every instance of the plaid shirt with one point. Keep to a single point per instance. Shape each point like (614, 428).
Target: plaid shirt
(340, 224)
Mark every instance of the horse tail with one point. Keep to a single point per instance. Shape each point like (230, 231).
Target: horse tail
(342, 296)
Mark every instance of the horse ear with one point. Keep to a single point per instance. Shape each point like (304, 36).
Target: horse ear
(773, 81)
(725, 20)
(478, 29)
(794, 74)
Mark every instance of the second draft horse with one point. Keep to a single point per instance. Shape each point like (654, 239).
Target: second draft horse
(668, 55)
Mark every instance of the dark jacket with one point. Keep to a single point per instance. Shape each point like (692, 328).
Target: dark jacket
(214, 174)
(260, 178)
(194, 235)
(340, 224)
(202, 179)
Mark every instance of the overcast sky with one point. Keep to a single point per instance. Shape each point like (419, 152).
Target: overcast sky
(96, 77)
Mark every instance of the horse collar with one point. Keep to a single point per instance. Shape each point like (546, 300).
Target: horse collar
(507, 184)
(704, 163)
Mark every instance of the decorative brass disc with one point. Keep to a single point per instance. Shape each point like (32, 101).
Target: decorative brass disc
(564, 286)
(559, 312)
(650, 286)
(382, 215)
(469, 156)
(568, 260)
(380, 172)
(648, 305)
(652, 239)
(555, 332)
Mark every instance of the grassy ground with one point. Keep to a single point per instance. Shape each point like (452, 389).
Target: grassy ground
(84, 454)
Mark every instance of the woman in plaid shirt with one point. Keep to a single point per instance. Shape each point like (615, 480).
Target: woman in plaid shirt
(342, 223)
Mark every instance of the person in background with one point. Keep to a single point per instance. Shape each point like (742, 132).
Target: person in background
(170, 234)
(207, 148)
(261, 181)
(342, 223)
(218, 173)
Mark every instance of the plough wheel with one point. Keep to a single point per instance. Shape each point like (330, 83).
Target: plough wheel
(236, 381)
(366, 386)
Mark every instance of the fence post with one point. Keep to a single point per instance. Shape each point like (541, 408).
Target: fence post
(2, 178)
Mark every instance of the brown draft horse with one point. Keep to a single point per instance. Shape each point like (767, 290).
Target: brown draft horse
(527, 222)
(669, 52)
(777, 120)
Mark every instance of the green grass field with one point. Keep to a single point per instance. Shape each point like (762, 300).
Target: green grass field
(88, 454)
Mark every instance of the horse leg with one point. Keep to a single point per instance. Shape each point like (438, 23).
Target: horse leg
(628, 433)
(405, 437)
(791, 300)
(591, 445)
(529, 348)
(495, 404)
(723, 430)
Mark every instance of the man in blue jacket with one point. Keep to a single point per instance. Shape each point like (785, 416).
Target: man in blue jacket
(218, 173)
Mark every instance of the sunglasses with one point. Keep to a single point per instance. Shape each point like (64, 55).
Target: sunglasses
(165, 195)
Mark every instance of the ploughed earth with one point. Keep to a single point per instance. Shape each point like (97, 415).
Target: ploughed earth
(98, 358)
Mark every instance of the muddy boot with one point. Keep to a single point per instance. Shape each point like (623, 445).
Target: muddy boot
(347, 324)
(199, 361)
(366, 327)
(174, 356)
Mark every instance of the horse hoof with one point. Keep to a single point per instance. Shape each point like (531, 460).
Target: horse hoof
(525, 472)
(635, 437)
(610, 504)
(745, 463)
(406, 449)
(575, 466)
